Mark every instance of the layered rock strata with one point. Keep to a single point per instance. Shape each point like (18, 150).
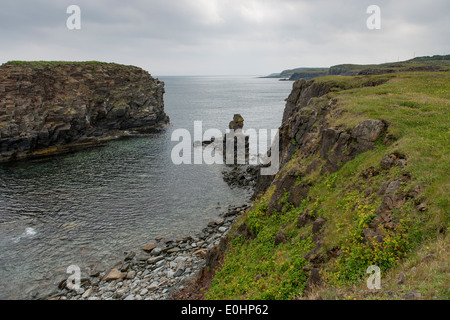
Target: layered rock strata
(53, 107)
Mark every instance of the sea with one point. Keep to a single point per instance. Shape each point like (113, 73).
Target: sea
(90, 207)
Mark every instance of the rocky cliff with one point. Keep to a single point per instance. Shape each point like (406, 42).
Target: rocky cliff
(305, 130)
(354, 190)
(53, 107)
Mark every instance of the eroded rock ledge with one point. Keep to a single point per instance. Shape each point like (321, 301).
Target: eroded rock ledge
(54, 107)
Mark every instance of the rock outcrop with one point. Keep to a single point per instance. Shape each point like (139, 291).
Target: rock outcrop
(52, 107)
(237, 123)
(305, 130)
(348, 196)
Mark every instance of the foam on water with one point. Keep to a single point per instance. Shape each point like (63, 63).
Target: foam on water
(30, 232)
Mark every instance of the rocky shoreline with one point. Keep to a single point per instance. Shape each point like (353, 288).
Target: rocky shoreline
(157, 271)
(241, 176)
(165, 267)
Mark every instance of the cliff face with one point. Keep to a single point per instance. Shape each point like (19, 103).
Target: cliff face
(52, 105)
(307, 75)
(306, 133)
(305, 130)
(354, 190)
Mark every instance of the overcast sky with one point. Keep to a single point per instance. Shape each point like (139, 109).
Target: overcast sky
(223, 37)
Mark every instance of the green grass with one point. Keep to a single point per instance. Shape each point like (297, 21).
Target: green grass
(425, 271)
(442, 61)
(417, 107)
(54, 63)
(434, 61)
(257, 269)
(289, 73)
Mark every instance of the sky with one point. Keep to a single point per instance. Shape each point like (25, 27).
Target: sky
(223, 37)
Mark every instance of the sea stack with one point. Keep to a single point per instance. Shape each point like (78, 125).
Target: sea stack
(236, 143)
(237, 123)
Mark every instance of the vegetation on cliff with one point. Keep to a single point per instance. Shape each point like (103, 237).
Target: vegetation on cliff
(364, 181)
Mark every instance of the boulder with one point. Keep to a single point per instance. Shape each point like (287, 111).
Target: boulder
(154, 260)
(149, 248)
(298, 193)
(339, 147)
(222, 229)
(113, 274)
(180, 268)
(303, 219)
(314, 279)
(369, 130)
(387, 162)
(156, 251)
(201, 253)
(393, 160)
(318, 224)
(129, 256)
(245, 231)
(279, 238)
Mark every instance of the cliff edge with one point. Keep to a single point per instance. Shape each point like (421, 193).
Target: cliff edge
(54, 107)
(362, 186)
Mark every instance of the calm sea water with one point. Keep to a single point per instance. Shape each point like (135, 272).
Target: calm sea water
(88, 208)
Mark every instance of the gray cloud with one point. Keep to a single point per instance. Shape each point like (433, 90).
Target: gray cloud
(223, 36)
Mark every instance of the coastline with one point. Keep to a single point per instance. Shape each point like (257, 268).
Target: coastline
(92, 279)
(83, 144)
(56, 107)
(166, 268)
(159, 271)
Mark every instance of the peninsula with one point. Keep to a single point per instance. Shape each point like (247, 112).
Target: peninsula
(55, 107)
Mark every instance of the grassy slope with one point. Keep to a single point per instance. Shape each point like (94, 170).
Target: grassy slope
(417, 106)
(441, 61)
(53, 63)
